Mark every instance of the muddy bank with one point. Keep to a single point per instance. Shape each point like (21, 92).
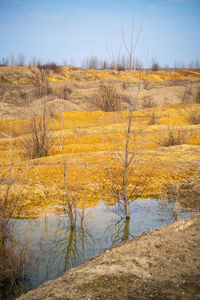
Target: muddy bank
(163, 264)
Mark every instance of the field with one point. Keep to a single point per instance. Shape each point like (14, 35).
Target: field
(74, 142)
(87, 142)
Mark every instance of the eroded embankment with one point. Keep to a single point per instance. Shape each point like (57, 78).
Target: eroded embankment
(163, 264)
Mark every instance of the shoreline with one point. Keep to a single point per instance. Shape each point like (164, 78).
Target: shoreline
(162, 264)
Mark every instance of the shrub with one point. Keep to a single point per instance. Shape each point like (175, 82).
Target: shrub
(12, 254)
(11, 263)
(39, 76)
(197, 96)
(148, 102)
(52, 66)
(193, 116)
(191, 96)
(187, 95)
(108, 98)
(39, 141)
(173, 136)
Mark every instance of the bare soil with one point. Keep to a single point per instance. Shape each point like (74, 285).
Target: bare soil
(186, 192)
(16, 86)
(163, 264)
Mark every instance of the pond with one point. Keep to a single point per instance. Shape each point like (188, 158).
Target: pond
(54, 248)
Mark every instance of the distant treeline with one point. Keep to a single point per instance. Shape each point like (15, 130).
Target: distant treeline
(122, 63)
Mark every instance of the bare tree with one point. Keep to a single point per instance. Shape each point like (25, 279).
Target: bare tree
(21, 59)
(197, 64)
(127, 147)
(155, 65)
(92, 62)
(4, 61)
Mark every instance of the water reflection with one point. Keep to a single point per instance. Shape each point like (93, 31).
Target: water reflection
(118, 232)
(54, 247)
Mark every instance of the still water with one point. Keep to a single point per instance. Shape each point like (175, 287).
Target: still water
(54, 248)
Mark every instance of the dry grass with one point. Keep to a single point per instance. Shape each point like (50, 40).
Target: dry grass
(90, 149)
(87, 135)
(21, 75)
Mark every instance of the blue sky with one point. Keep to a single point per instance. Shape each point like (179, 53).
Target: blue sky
(54, 30)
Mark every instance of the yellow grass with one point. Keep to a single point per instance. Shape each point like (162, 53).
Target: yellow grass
(74, 74)
(90, 140)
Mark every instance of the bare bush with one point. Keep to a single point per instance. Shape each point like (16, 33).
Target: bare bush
(197, 96)
(11, 263)
(52, 66)
(191, 95)
(108, 98)
(148, 102)
(173, 136)
(39, 141)
(12, 255)
(193, 116)
(187, 95)
(39, 76)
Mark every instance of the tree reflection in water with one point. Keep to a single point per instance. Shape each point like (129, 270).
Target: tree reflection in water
(118, 232)
(56, 247)
(77, 246)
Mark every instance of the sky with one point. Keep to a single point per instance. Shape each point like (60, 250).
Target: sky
(70, 30)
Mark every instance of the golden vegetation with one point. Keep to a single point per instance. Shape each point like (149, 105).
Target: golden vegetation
(89, 147)
(21, 75)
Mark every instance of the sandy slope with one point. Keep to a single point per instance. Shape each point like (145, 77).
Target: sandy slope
(163, 87)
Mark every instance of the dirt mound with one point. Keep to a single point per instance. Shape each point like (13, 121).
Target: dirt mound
(163, 264)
